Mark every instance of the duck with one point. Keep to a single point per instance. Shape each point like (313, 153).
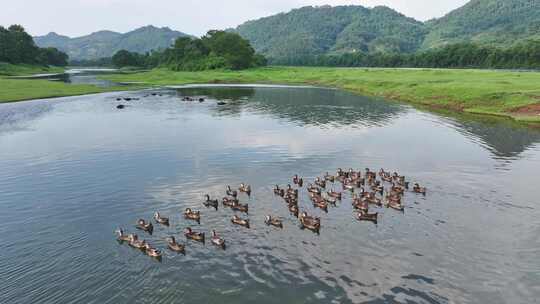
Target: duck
(231, 192)
(361, 205)
(319, 182)
(292, 194)
(418, 189)
(229, 201)
(394, 205)
(396, 176)
(370, 174)
(348, 186)
(313, 189)
(153, 252)
(192, 215)
(298, 181)
(240, 207)
(353, 174)
(377, 187)
(398, 189)
(192, 235)
(291, 191)
(279, 191)
(334, 194)
(271, 221)
(340, 172)
(122, 237)
(174, 246)
(394, 197)
(321, 204)
(209, 203)
(161, 220)
(240, 221)
(217, 240)
(365, 216)
(135, 242)
(371, 198)
(330, 178)
(293, 209)
(291, 200)
(310, 222)
(245, 189)
(330, 200)
(144, 226)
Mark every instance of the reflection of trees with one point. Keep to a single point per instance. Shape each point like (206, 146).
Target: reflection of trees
(503, 137)
(218, 93)
(302, 106)
(335, 108)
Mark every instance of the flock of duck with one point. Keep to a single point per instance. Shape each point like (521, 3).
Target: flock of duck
(370, 188)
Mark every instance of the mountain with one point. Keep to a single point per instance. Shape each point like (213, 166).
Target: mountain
(326, 29)
(498, 22)
(333, 30)
(106, 43)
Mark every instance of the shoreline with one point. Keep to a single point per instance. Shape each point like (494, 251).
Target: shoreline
(511, 95)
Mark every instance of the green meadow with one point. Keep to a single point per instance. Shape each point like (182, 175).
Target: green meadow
(17, 89)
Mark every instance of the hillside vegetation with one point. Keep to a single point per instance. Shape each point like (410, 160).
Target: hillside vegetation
(325, 30)
(319, 30)
(106, 43)
(495, 22)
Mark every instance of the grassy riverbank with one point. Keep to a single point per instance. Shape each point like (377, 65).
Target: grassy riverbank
(24, 89)
(503, 93)
(12, 89)
(7, 69)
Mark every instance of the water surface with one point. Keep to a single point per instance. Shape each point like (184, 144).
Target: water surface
(76, 168)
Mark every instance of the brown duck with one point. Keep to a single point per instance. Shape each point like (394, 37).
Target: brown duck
(270, 221)
(310, 222)
(144, 226)
(192, 235)
(174, 246)
(240, 221)
(192, 215)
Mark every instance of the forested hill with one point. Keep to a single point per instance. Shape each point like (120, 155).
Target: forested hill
(325, 29)
(329, 30)
(106, 43)
(499, 22)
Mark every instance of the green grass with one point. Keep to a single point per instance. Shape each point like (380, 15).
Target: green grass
(24, 89)
(471, 91)
(7, 69)
(13, 89)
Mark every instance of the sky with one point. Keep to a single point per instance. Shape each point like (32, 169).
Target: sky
(80, 17)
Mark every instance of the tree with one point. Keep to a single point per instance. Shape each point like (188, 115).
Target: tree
(237, 51)
(125, 58)
(52, 56)
(17, 46)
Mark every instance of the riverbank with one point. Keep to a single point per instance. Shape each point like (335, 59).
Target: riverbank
(502, 93)
(16, 89)
(12, 90)
(7, 69)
